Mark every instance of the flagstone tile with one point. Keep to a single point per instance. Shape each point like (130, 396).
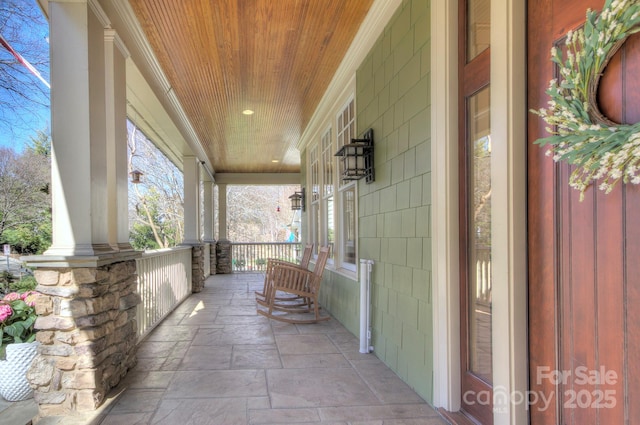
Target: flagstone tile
(256, 358)
(235, 334)
(283, 416)
(305, 344)
(292, 388)
(203, 357)
(137, 401)
(217, 383)
(148, 379)
(387, 386)
(382, 412)
(127, 419)
(300, 361)
(231, 411)
(166, 332)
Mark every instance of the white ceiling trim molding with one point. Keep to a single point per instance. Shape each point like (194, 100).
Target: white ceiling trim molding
(133, 27)
(373, 25)
(100, 14)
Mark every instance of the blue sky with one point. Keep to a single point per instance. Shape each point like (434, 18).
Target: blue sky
(20, 124)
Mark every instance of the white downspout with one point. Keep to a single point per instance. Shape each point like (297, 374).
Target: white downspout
(365, 305)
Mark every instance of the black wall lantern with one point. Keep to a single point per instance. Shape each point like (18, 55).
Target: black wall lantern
(357, 158)
(297, 200)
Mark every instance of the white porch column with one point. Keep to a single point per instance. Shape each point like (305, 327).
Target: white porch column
(116, 136)
(78, 128)
(222, 212)
(209, 207)
(88, 289)
(191, 200)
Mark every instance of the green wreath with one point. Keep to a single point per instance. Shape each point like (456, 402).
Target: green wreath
(599, 148)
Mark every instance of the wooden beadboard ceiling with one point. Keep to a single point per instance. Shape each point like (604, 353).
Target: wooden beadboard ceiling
(276, 57)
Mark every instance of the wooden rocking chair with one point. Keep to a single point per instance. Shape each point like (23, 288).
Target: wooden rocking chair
(272, 262)
(303, 285)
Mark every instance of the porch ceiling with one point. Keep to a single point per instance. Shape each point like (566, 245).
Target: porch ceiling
(275, 57)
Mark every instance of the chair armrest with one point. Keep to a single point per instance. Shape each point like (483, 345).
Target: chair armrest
(272, 262)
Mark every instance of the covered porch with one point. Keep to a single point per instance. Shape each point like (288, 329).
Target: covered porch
(214, 360)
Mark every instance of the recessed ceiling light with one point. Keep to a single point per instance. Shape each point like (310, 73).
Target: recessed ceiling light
(275, 160)
(247, 112)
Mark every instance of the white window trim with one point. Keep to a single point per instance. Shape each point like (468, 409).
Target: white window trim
(508, 123)
(336, 264)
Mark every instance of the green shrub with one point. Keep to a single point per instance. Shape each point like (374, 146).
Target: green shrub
(27, 283)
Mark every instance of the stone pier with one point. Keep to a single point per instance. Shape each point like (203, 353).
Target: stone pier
(224, 261)
(197, 267)
(87, 332)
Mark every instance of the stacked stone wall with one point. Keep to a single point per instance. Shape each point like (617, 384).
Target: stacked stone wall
(87, 332)
(224, 261)
(213, 258)
(197, 268)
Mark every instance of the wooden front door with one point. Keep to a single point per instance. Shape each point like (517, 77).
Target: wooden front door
(584, 257)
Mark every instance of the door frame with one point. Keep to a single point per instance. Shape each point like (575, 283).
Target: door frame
(509, 183)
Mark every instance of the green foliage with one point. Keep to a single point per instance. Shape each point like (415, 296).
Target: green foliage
(30, 239)
(27, 283)
(6, 279)
(580, 135)
(25, 202)
(17, 319)
(141, 237)
(40, 144)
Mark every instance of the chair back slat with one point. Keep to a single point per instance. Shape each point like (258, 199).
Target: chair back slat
(321, 262)
(306, 256)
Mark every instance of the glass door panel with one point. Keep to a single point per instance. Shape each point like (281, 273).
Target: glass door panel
(479, 234)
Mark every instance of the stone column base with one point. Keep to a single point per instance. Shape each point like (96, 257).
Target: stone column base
(197, 268)
(87, 331)
(223, 257)
(212, 257)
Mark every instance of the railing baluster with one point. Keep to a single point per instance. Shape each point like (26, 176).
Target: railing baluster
(252, 256)
(164, 279)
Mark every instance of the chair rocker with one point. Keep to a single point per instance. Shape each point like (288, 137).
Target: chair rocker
(303, 285)
(272, 262)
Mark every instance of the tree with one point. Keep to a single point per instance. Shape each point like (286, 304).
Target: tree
(253, 216)
(24, 100)
(25, 204)
(156, 212)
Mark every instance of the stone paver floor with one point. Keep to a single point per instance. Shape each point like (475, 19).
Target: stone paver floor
(215, 361)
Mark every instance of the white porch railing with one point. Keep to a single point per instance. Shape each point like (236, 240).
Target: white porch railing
(164, 280)
(252, 256)
(483, 276)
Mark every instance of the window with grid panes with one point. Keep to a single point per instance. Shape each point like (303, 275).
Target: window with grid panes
(345, 131)
(328, 160)
(315, 198)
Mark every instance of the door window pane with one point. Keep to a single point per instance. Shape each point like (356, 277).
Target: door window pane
(478, 27)
(479, 234)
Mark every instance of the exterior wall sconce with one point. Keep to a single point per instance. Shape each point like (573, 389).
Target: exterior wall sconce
(298, 200)
(357, 158)
(135, 176)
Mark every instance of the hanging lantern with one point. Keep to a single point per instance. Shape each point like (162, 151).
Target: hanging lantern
(135, 176)
(297, 200)
(357, 158)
